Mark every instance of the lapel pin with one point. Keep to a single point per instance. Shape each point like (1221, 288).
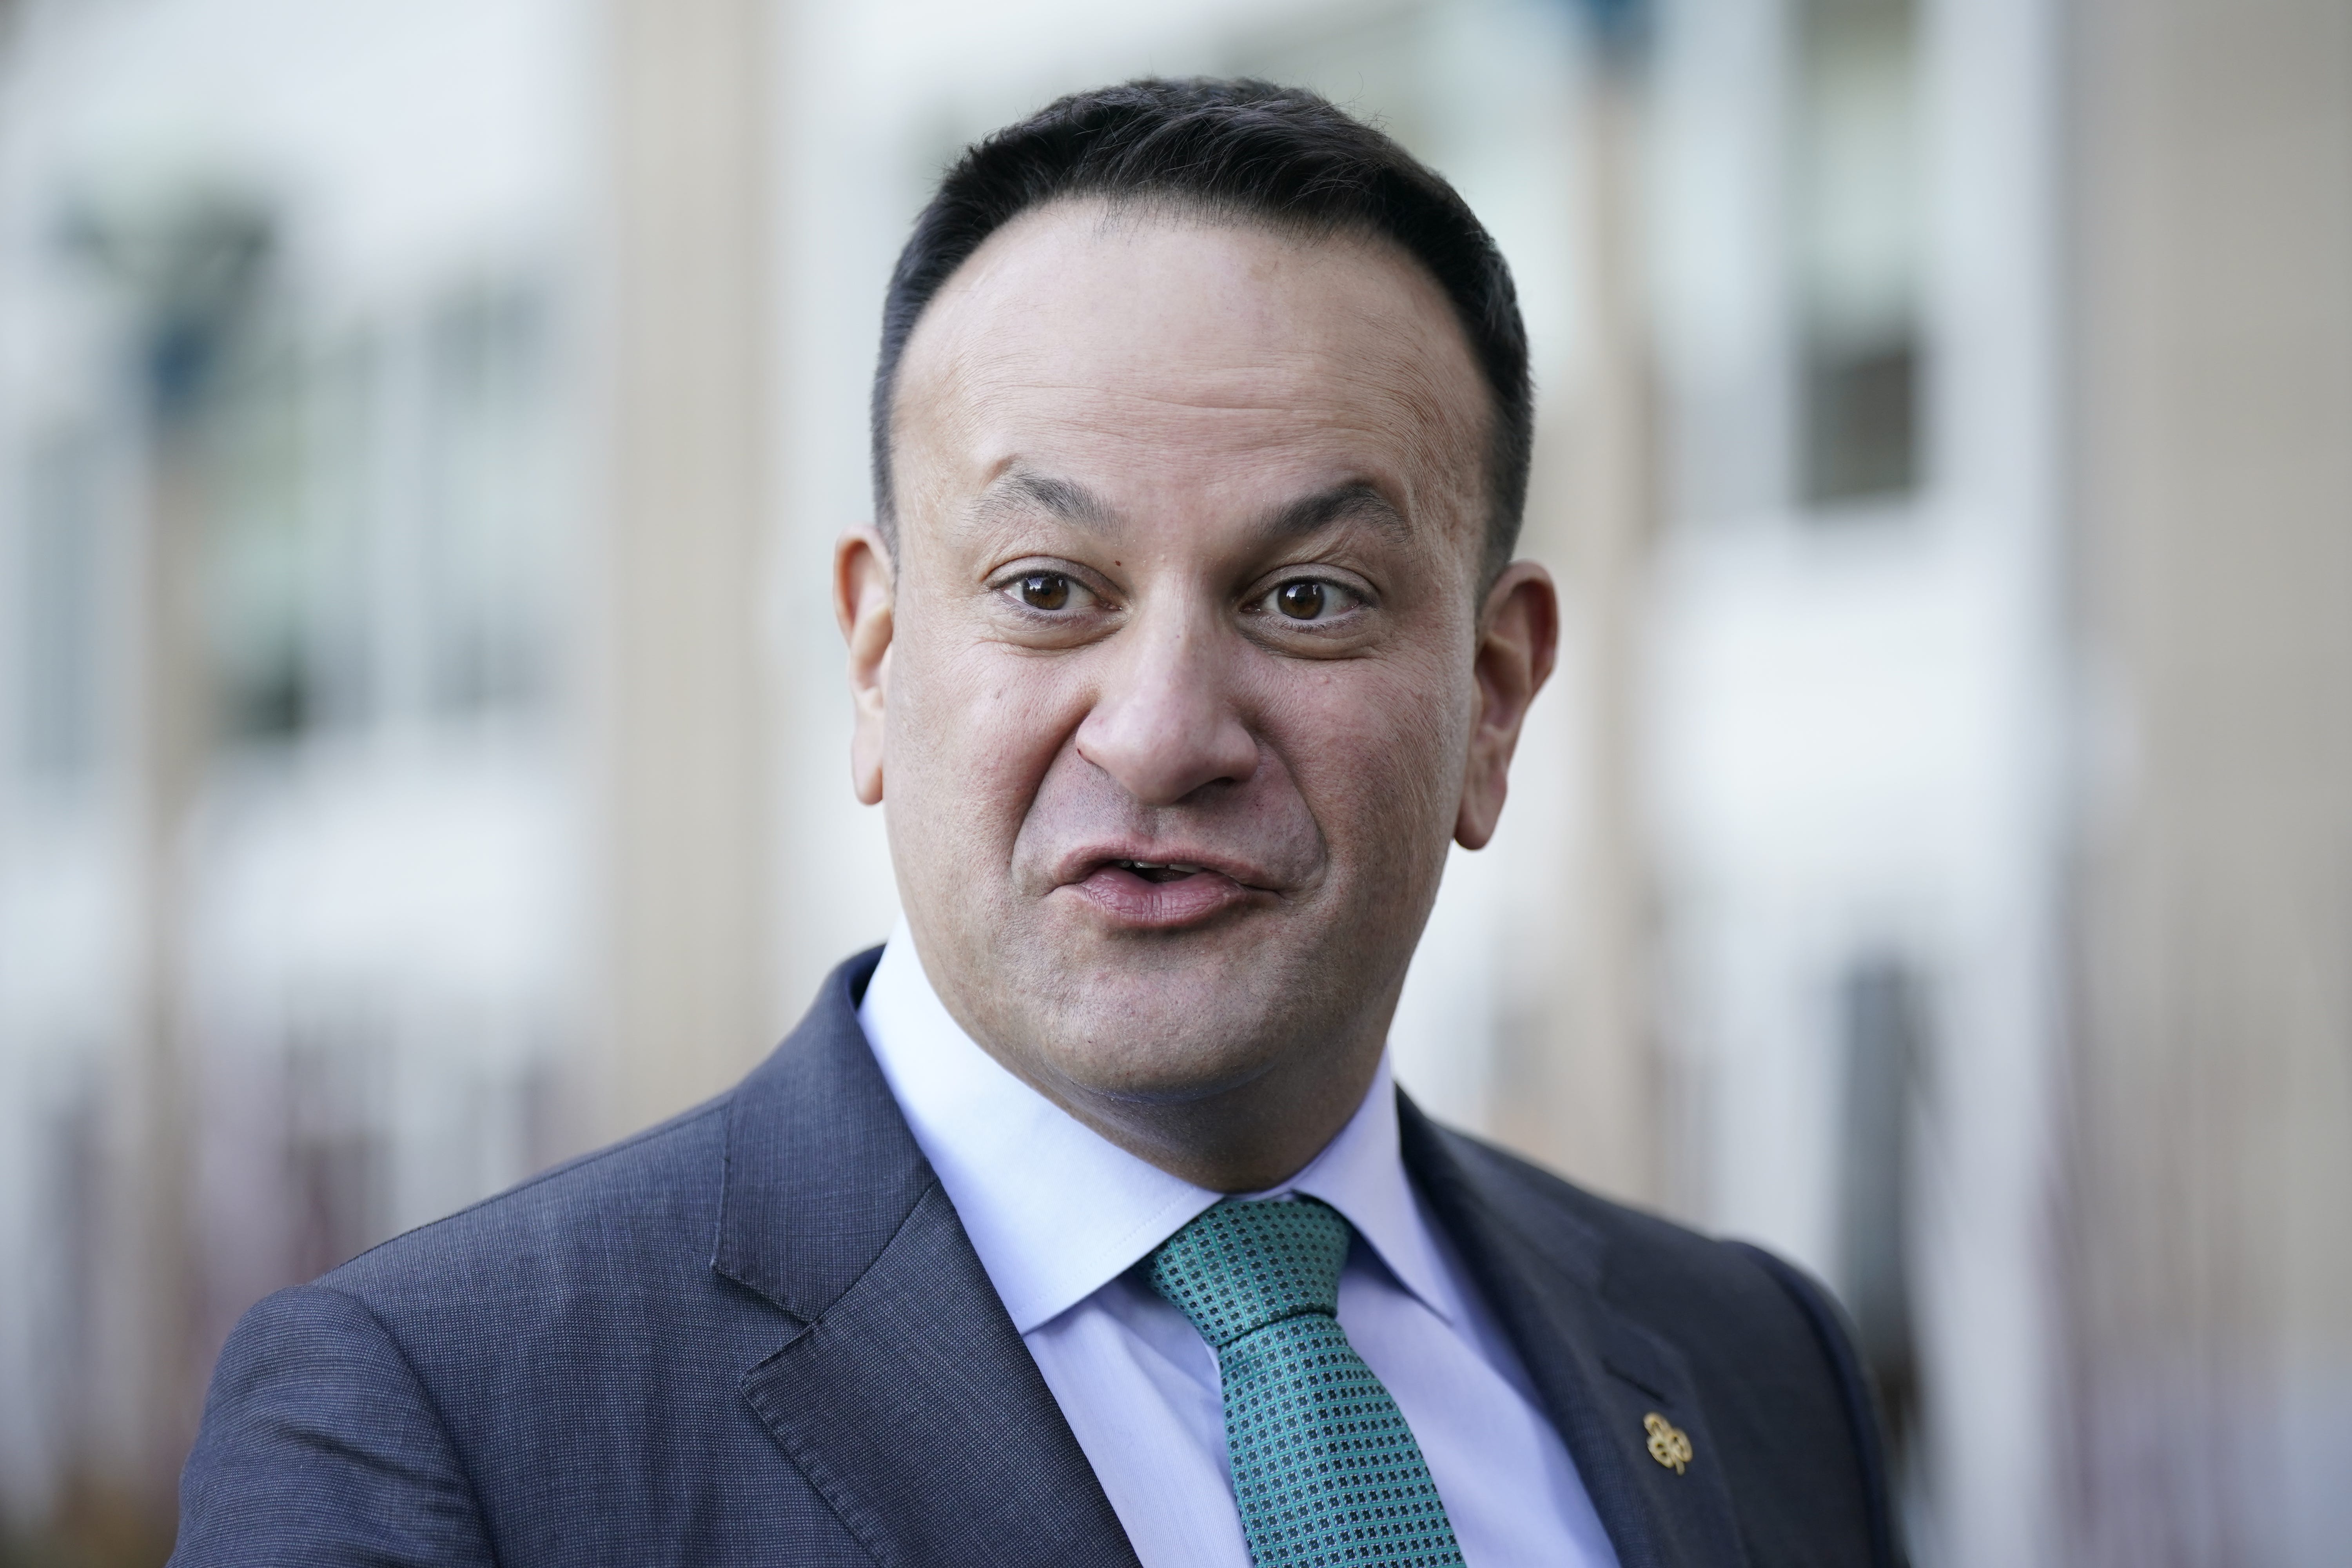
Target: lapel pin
(1669, 1444)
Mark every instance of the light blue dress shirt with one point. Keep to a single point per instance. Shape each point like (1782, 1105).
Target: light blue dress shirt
(1059, 1214)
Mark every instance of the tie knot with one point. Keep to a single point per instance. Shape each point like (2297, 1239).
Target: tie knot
(1239, 1267)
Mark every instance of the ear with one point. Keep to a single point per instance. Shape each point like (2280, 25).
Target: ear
(1519, 638)
(863, 595)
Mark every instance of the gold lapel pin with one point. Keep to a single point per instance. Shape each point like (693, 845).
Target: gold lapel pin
(1669, 1444)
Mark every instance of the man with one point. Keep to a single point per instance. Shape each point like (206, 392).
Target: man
(1084, 1225)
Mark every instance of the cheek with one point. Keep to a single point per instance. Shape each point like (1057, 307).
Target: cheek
(1379, 745)
(972, 729)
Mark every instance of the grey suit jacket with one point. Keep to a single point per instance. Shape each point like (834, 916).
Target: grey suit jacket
(758, 1334)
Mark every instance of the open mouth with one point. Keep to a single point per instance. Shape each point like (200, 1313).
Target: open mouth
(1160, 894)
(1158, 871)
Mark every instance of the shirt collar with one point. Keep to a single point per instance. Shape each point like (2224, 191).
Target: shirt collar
(1057, 1211)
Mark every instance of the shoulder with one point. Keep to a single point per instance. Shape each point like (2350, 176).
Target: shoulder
(1763, 1343)
(510, 1321)
(350, 1418)
(1682, 1281)
(650, 1201)
(642, 1243)
(406, 1404)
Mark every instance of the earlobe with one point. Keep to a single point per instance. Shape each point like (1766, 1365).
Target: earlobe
(864, 603)
(1474, 826)
(865, 750)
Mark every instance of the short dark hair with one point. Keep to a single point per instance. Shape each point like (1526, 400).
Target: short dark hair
(1242, 149)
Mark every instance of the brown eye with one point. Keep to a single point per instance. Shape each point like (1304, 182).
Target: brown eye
(1046, 591)
(1301, 601)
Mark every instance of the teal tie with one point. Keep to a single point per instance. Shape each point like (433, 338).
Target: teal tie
(1325, 1469)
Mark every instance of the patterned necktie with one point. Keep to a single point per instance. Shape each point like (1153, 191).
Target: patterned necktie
(1325, 1469)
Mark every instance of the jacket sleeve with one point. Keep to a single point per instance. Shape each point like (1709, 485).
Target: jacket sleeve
(321, 1445)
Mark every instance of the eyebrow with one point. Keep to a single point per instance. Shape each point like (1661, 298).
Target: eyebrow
(1019, 489)
(1357, 499)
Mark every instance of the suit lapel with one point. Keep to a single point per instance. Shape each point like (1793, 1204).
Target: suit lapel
(1599, 1375)
(905, 1396)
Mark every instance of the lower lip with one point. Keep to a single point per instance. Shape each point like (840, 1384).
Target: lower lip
(1130, 900)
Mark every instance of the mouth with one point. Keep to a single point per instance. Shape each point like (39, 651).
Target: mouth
(1160, 871)
(1134, 893)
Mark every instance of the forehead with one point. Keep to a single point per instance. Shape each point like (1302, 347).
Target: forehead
(1167, 346)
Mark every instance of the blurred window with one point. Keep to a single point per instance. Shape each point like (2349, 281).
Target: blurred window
(342, 485)
(1856, 225)
(376, 519)
(59, 579)
(485, 546)
(260, 555)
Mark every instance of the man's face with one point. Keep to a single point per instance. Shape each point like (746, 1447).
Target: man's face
(1173, 692)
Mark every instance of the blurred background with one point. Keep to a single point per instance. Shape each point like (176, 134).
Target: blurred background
(423, 425)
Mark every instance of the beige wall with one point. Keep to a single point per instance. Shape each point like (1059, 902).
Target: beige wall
(1578, 1075)
(686, 716)
(2210, 1239)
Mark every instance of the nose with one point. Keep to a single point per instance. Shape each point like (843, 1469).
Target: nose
(1164, 723)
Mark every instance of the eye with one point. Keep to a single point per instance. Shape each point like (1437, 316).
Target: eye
(1045, 591)
(1310, 599)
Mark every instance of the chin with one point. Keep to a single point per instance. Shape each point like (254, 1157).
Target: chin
(1166, 1020)
(1163, 1060)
